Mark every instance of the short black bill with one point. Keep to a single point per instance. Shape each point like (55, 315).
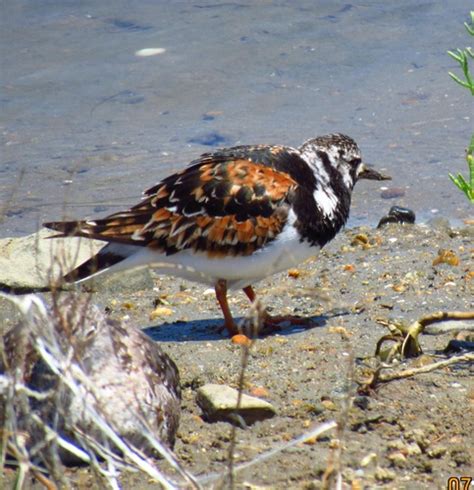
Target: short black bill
(371, 174)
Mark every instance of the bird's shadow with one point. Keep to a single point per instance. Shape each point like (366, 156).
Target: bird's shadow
(212, 329)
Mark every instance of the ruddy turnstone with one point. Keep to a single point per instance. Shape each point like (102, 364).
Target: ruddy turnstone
(232, 217)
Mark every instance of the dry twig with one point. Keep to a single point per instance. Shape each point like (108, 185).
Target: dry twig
(408, 373)
(378, 377)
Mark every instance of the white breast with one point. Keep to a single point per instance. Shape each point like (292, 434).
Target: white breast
(282, 253)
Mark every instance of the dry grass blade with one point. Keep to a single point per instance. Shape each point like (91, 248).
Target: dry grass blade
(441, 316)
(332, 477)
(310, 435)
(255, 321)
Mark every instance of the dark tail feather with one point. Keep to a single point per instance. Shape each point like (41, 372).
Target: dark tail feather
(99, 262)
(118, 228)
(66, 228)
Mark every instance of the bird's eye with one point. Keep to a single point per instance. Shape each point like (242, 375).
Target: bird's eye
(355, 162)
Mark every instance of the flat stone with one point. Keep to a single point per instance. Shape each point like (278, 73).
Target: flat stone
(392, 193)
(33, 262)
(219, 402)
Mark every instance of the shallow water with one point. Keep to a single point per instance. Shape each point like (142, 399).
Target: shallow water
(86, 124)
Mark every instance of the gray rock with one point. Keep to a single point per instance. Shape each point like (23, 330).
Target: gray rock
(219, 402)
(440, 223)
(392, 193)
(33, 263)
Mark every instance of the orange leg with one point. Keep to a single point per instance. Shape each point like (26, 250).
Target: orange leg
(248, 290)
(221, 295)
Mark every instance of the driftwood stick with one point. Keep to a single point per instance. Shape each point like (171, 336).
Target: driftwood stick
(407, 373)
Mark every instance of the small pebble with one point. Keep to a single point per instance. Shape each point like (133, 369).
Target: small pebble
(437, 452)
(241, 339)
(294, 273)
(420, 439)
(446, 257)
(367, 460)
(344, 333)
(413, 449)
(360, 239)
(160, 311)
(397, 214)
(398, 459)
(329, 405)
(392, 193)
(396, 444)
(260, 392)
(384, 475)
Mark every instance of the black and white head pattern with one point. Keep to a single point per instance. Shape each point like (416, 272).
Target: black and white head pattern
(336, 162)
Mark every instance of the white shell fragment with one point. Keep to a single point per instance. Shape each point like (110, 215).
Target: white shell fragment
(149, 51)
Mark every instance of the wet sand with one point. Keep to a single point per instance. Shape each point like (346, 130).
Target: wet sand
(86, 124)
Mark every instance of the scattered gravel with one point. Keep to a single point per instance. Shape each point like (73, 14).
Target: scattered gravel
(412, 433)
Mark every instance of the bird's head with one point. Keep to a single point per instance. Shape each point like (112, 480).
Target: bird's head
(339, 153)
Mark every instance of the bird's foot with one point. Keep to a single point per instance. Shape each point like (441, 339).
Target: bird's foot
(272, 323)
(231, 328)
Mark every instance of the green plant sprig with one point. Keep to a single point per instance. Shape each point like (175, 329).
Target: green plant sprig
(460, 181)
(470, 28)
(462, 56)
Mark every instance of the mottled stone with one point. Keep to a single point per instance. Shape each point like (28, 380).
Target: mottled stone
(219, 402)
